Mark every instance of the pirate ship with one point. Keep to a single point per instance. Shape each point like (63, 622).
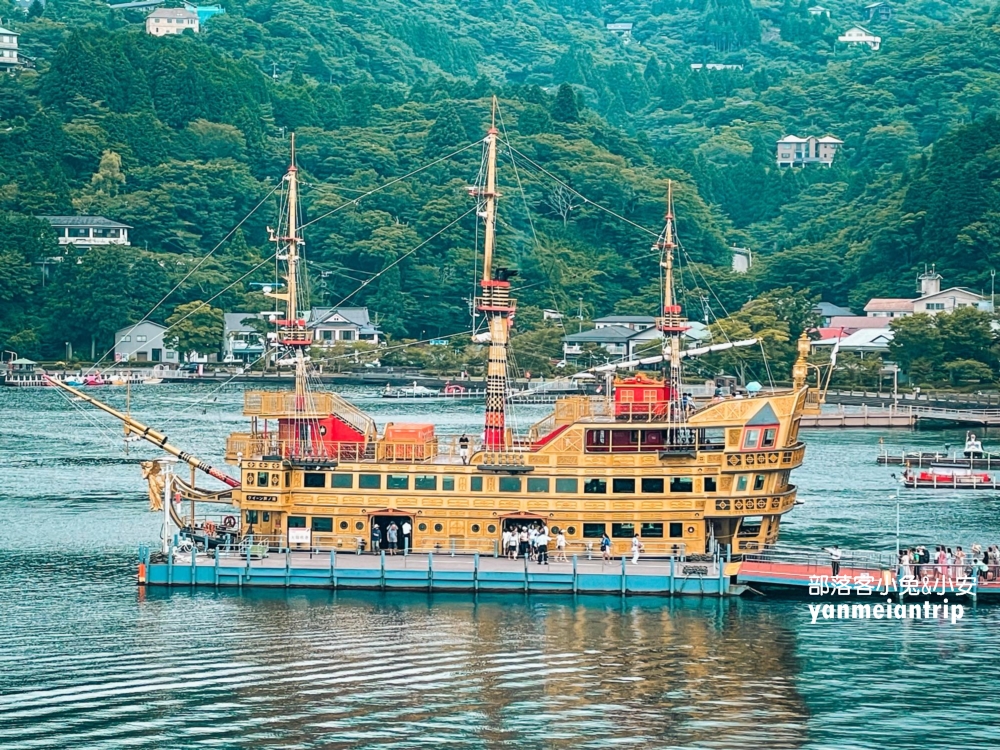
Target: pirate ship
(638, 459)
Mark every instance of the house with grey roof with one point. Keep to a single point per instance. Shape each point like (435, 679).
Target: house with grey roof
(10, 57)
(335, 325)
(169, 21)
(619, 341)
(88, 231)
(242, 341)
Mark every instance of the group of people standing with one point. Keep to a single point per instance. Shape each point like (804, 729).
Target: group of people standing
(532, 543)
(392, 537)
(945, 564)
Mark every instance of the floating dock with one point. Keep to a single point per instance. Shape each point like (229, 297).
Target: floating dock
(673, 576)
(919, 460)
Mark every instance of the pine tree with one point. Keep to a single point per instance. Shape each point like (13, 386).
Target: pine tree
(565, 108)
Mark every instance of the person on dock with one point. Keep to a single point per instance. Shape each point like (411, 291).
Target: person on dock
(973, 447)
(561, 547)
(522, 543)
(376, 539)
(407, 539)
(835, 555)
(942, 563)
(512, 544)
(542, 547)
(392, 536)
(606, 547)
(636, 549)
(463, 448)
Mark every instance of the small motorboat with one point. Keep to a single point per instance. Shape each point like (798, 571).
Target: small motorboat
(944, 475)
(410, 391)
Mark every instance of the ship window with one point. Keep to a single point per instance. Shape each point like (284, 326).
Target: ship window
(741, 483)
(322, 524)
(314, 479)
(296, 522)
(448, 484)
(570, 530)
(251, 516)
(359, 525)
(266, 517)
(423, 482)
(594, 530)
(438, 527)
(397, 482)
(288, 478)
(491, 528)
(475, 528)
(342, 481)
(262, 479)
(653, 485)
(421, 527)
(681, 484)
(370, 481)
(623, 530)
(713, 438)
(510, 484)
(710, 484)
(623, 485)
(595, 487)
(597, 441)
(770, 434)
(476, 484)
(758, 482)
(651, 531)
(750, 438)
(750, 526)
(569, 486)
(343, 525)
(676, 530)
(538, 484)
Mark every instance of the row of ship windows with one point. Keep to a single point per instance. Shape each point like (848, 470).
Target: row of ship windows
(651, 485)
(674, 529)
(568, 486)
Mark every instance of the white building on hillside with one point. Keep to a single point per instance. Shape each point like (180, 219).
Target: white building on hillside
(166, 21)
(932, 300)
(794, 151)
(859, 35)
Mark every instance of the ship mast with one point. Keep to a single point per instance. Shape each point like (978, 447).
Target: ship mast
(671, 324)
(292, 331)
(495, 303)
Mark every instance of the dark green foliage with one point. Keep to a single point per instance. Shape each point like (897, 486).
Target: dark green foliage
(565, 109)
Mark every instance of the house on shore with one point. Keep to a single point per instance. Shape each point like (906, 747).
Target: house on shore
(143, 342)
(88, 231)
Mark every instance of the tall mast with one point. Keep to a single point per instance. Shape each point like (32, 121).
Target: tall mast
(495, 303)
(671, 324)
(292, 331)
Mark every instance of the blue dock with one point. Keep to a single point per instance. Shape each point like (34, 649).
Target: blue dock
(439, 572)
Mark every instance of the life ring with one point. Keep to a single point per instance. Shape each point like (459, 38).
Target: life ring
(209, 528)
(229, 522)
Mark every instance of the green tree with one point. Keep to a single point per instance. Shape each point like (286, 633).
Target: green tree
(196, 327)
(564, 108)
(916, 340)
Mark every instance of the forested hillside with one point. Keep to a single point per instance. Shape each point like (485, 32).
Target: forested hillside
(182, 137)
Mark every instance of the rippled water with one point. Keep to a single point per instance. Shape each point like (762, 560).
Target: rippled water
(89, 661)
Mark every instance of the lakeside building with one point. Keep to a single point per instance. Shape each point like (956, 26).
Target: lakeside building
(143, 342)
(333, 325)
(621, 336)
(10, 56)
(794, 151)
(932, 300)
(827, 311)
(878, 12)
(242, 342)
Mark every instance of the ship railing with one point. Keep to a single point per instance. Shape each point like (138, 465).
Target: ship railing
(245, 445)
(820, 559)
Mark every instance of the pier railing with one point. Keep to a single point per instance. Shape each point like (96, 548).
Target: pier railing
(821, 559)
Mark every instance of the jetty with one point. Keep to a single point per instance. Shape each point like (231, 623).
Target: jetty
(923, 459)
(900, 415)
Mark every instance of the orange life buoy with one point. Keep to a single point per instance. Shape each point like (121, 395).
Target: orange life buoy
(209, 528)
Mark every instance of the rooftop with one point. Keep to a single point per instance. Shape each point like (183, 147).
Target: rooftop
(828, 309)
(172, 13)
(605, 335)
(626, 319)
(84, 221)
(7, 31)
(356, 315)
(889, 304)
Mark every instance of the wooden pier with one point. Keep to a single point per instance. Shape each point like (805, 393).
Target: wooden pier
(898, 415)
(922, 459)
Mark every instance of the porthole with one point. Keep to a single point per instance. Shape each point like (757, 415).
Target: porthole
(344, 525)
(359, 525)
(571, 530)
(438, 527)
(491, 528)
(475, 528)
(421, 527)
(554, 529)
(690, 529)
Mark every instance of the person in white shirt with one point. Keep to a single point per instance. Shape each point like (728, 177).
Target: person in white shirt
(636, 549)
(561, 547)
(407, 540)
(542, 548)
(835, 555)
(505, 542)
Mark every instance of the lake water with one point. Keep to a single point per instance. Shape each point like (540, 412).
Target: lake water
(88, 660)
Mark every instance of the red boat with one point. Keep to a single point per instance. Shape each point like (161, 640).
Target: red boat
(949, 476)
